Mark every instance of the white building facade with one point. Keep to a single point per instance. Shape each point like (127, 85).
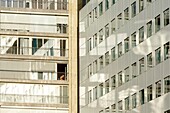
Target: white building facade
(124, 56)
(34, 56)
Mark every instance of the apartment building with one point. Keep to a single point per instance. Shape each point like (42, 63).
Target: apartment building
(37, 56)
(124, 56)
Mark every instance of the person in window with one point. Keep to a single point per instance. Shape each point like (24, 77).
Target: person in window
(62, 77)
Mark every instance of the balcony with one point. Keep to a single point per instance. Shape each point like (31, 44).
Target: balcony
(35, 4)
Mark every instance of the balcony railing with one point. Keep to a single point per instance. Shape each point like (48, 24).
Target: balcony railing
(35, 51)
(46, 76)
(35, 4)
(39, 99)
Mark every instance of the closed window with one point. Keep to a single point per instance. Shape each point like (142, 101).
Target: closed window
(113, 53)
(133, 39)
(89, 70)
(100, 35)
(142, 97)
(113, 108)
(127, 74)
(101, 8)
(90, 96)
(141, 5)
(95, 40)
(166, 17)
(95, 65)
(149, 61)
(107, 58)
(113, 25)
(127, 103)
(120, 107)
(101, 62)
(166, 50)
(126, 44)
(107, 86)
(126, 15)
(134, 70)
(149, 93)
(134, 101)
(101, 89)
(141, 65)
(157, 23)
(113, 82)
(167, 84)
(95, 93)
(107, 31)
(158, 56)
(149, 29)
(141, 34)
(120, 49)
(120, 79)
(133, 8)
(158, 88)
(106, 4)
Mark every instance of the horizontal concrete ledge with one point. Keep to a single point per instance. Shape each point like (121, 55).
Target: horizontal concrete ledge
(32, 105)
(32, 58)
(34, 34)
(34, 11)
(46, 82)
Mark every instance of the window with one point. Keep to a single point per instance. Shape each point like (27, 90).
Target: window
(113, 25)
(107, 86)
(113, 53)
(142, 97)
(149, 1)
(133, 39)
(95, 12)
(133, 8)
(90, 96)
(120, 49)
(141, 5)
(120, 79)
(141, 65)
(9, 3)
(95, 40)
(157, 23)
(107, 110)
(89, 70)
(167, 84)
(100, 35)
(158, 88)
(89, 42)
(107, 31)
(120, 106)
(158, 56)
(126, 42)
(3, 2)
(113, 1)
(101, 62)
(95, 66)
(166, 17)
(149, 60)
(168, 111)
(141, 34)
(101, 111)
(62, 28)
(107, 58)
(95, 93)
(106, 5)
(113, 108)
(90, 18)
(134, 70)
(149, 93)
(101, 8)
(149, 29)
(127, 74)
(134, 101)
(166, 50)
(119, 20)
(101, 89)
(126, 15)
(127, 103)
(113, 80)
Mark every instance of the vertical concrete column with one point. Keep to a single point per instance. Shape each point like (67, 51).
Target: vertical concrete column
(73, 56)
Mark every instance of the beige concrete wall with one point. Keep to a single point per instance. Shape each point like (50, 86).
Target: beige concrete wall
(73, 60)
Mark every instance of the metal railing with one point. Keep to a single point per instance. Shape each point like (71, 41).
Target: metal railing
(35, 4)
(35, 51)
(43, 99)
(46, 76)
